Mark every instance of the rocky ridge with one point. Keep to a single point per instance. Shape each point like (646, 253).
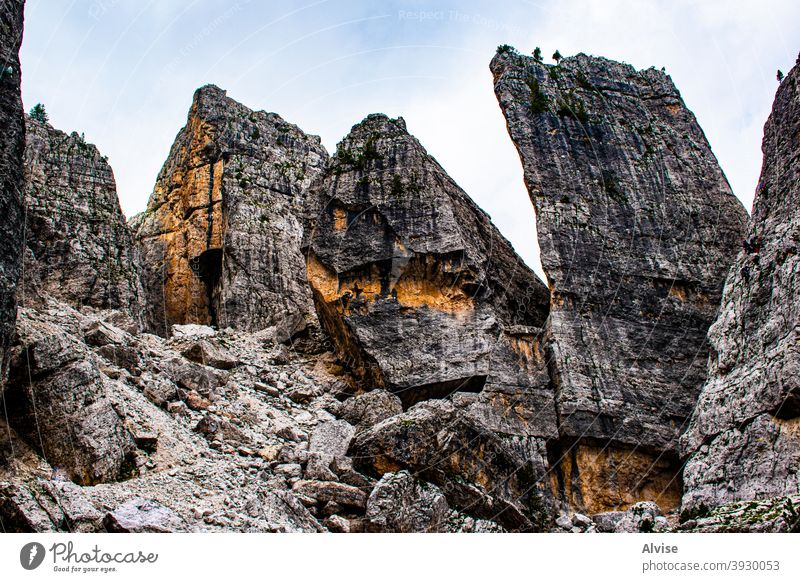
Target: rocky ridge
(743, 442)
(78, 247)
(448, 395)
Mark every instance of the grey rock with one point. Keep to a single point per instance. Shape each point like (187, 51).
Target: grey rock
(45, 506)
(81, 249)
(332, 437)
(369, 409)
(326, 491)
(503, 479)
(160, 391)
(415, 286)
(139, 515)
(400, 503)
(283, 512)
(191, 376)
(209, 354)
(242, 267)
(641, 517)
(637, 227)
(607, 521)
(12, 144)
(58, 401)
(743, 440)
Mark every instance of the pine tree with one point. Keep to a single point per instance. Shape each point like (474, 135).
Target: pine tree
(780, 75)
(556, 56)
(38, 113)
(537, 54)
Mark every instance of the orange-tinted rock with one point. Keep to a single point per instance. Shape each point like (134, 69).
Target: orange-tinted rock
(220, 240)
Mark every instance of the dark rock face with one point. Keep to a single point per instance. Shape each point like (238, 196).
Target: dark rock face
(423, 297)
(80, 248)
(637, 227)
(12, 143)
(220, 240)
(744, 436)
(416, 287)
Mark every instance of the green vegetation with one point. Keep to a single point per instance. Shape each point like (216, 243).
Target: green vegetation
(583, 82)
(780, 75)
(506, 49)
(538, 102)
(557, 56)
(537, 54)
(571, 106)
(346, 159)
(38, 113)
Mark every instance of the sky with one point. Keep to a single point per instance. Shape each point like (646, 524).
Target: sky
(123, 72)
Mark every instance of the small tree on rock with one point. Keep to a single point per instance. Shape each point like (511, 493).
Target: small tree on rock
(537, 54)
(780, 75)
(557, 56)
(38, 113)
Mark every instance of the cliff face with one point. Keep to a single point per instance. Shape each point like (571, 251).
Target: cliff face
(744, 436)
(637, 227)
(220, 240)
(80, 250)
(421, 295)
(12, 142)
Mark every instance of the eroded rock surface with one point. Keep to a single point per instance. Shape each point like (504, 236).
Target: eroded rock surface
(12, 144)
(79, 247)
(220, 239)
(744, 437)
(637, 227)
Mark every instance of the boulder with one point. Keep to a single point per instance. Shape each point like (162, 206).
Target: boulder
(399, 503)
(58, 402)
(483, 473)
(138, 515)
(369, 409)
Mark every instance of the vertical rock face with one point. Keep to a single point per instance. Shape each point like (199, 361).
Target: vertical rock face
(744, 437)
(220, 240)
(637, 227)
(419, 291)
(12, 143)
(80, 248)
(422, 296)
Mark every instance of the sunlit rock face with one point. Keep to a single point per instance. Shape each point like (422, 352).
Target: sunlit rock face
(220, 239)
(79, 247)
(637, 227)
(744, 438)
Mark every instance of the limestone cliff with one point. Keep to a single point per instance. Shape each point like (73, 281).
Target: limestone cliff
(12, 142)
(220, 239)
(79, 247)
(421, 295)
(744, 437)
(637, 226)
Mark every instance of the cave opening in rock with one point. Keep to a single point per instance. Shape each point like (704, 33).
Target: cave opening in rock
(209, 270)
(440, 390)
